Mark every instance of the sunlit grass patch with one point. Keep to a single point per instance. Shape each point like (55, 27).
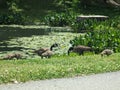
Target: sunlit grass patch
(57, 67)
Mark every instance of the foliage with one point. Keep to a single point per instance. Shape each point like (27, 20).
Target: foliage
(94, 24)
(60, 19)
(83, 25)
(57, 67)
(13, 18)
(66, 5)
(100, 40)
(14, 15)
(13, 6)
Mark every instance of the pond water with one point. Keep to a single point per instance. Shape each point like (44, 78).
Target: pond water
(24, 41)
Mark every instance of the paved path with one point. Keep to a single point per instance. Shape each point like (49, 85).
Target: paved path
(107, 81)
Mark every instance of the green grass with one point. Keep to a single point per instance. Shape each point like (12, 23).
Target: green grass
(57, 67)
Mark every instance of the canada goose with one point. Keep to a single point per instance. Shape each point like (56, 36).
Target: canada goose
(45, 52)
(79, 49)
(12, 56)
(106, 52)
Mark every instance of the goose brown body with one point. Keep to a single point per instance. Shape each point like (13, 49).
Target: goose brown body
(106, 52)
(12, 56)
(79, 49)
(45, 52)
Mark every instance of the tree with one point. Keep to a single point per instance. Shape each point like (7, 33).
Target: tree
(113, 2)
(13, 5)
(101, 2)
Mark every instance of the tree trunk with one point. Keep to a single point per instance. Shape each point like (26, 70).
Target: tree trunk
(112, 2)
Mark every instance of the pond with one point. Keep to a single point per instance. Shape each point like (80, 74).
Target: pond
(25, 40)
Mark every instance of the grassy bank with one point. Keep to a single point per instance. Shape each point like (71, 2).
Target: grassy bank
(57, 67)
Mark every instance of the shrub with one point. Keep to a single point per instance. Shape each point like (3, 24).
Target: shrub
(59, 19)
(65, 5)
(100, 40)
(90, 25)
(12, 18)
(83, 25)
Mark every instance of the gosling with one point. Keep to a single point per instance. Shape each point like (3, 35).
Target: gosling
(12, 56)
(106, 52)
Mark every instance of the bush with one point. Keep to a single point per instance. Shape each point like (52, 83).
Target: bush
(59, 19)
(12, 18)
(66, 5)
(100, 40)
(90, 25)
(84, 25)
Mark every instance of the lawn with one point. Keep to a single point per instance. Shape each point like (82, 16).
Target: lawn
(57, 67)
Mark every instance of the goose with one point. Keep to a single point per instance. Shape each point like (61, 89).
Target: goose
(79, 49)
(12, 56)
(106, 52)
(46, 52)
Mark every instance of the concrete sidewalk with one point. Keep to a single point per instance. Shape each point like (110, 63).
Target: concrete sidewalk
(106, 81)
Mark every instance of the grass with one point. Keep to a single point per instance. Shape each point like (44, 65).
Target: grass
(57, 67)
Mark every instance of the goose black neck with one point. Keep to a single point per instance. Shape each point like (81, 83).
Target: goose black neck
(69, 50)
(51, 48)
(54, 45)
